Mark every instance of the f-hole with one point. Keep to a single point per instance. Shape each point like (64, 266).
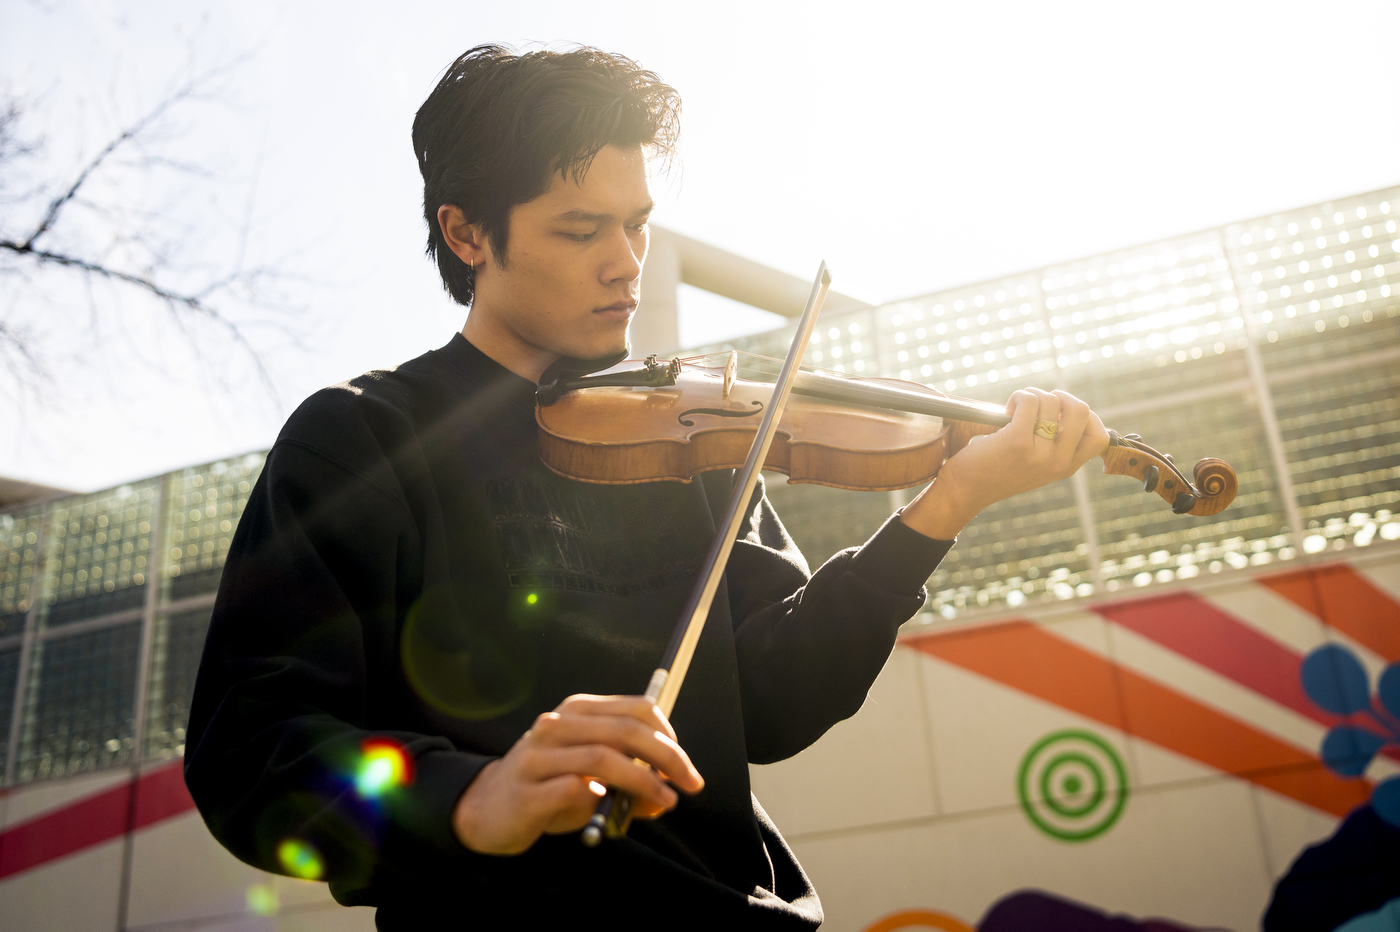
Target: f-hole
(684, 416)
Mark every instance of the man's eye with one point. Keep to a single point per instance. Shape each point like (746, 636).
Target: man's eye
(639, 227)
(579, 237)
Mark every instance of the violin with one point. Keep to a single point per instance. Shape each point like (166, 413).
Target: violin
(648, 421)
(653, 421)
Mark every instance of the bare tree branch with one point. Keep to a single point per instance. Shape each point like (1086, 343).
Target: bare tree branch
(158, 250)
(194, 302)
(179, 95)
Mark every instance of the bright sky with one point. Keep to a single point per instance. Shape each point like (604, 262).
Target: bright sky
(912, 146)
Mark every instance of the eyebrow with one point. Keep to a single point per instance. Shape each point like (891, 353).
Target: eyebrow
(583, 216)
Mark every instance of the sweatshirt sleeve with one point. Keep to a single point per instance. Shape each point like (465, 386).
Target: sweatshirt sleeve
(810, 649)
(281, 750)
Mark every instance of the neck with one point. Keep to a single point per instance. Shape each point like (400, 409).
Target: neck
(506, 347)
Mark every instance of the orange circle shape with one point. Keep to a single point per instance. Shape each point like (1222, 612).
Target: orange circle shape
(918, 919)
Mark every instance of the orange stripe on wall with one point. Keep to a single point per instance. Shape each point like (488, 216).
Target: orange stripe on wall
(1347, 601)
(1023, 656)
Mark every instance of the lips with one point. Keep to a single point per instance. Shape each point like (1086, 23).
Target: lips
(617, 308)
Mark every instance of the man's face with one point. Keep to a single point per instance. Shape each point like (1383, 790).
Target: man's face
(573, 263)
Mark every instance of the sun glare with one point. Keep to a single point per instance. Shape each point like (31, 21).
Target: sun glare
(384, 765)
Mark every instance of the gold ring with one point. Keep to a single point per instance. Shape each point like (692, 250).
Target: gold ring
(1047, 429)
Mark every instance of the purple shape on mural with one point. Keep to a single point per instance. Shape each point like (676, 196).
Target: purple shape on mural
(1038, 911)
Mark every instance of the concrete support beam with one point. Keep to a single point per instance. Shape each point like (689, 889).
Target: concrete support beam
(656, 325)
(674, 259)
(19, 492)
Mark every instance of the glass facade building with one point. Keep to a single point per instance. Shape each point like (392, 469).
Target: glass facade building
(1273, 344)
(104, 601)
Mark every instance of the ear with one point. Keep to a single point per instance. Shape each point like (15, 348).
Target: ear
(465, 239)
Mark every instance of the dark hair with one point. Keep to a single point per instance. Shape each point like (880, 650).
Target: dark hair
(498, 126)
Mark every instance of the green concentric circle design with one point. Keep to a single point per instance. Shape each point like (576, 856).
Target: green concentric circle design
(1072, 785)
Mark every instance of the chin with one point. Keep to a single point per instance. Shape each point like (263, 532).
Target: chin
(594, 349)
(604, 346)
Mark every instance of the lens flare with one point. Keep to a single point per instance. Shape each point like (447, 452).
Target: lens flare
(262, 900)
(300, 859)
(532, 598)
(473, 671)
(384, 765)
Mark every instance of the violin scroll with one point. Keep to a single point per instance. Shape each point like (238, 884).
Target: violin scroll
(1217, 479)
(1213, 490)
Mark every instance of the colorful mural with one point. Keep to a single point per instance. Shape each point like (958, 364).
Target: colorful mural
(1175, 755)
(1174, 762)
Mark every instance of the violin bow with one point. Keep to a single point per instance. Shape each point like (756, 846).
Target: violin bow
(614, 812)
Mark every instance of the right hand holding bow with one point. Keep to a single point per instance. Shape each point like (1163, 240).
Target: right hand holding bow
(549, 782)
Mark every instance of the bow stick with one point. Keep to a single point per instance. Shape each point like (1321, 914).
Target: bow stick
(614, 812)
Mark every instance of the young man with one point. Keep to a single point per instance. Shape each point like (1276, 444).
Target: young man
(426, 649)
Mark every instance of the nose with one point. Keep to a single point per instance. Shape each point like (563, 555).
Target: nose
(625, 255)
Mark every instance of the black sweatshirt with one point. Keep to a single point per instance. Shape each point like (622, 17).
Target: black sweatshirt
(408, 569)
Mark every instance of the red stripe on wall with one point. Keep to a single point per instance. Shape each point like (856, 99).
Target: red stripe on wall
(1347, 601)
(1196, 629)
(161, 795)
(1021, 655)
(103, 816)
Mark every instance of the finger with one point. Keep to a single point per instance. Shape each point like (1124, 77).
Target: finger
(1049, 405)
(1018, 398)
(1047, 409)
(1094, 441)
(604, 764)
(1023, 406)
(639, 707)
(1074, 417)
(565, 804)
(633, 738)
(653, 726)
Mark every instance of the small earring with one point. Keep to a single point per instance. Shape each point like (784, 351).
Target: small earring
(471, 264)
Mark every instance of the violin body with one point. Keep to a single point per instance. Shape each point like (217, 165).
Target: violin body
(622, 435)
(702, 418)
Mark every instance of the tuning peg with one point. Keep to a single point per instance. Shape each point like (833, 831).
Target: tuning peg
(1184, 503)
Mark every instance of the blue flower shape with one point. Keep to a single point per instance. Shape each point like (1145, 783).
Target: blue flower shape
(1336, 681)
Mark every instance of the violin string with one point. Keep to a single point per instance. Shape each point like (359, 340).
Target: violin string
(773, 364)
(869, 389)
(776, 364)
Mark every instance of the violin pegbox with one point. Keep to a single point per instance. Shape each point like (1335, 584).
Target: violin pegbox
(1212, 491)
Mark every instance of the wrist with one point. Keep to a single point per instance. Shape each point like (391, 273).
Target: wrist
(939, 512)
(464, 813)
